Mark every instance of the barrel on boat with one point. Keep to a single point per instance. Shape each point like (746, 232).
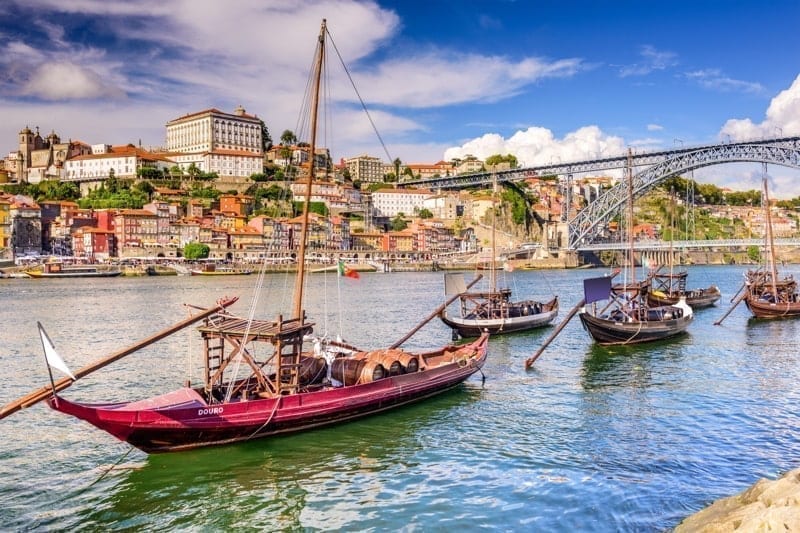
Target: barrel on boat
(409, 362)
(387, 359)
(351, 371)
(312, 370)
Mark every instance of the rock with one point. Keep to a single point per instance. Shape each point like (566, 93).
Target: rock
(766, 506)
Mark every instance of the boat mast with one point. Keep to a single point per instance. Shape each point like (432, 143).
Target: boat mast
(301, 255)
(768, 234)
(493, 274)
(629, 170)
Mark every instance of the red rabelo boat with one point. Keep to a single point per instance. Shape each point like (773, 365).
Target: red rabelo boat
(285, 387)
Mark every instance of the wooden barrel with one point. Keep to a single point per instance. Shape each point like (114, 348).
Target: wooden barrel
(351, 371)
(388, 359)
(312, 370)
(409, 362)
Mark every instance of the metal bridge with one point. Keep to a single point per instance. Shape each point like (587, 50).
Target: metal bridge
(658, 166)
(658, 245)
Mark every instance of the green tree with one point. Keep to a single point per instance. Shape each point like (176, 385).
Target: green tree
(288, 138)
(753, 253)
(498, 159)
(196, 250)
(399, 223)
(266, 138)
(425, 213)
(146, 188)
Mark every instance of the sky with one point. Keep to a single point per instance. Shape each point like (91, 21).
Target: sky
(546, 81)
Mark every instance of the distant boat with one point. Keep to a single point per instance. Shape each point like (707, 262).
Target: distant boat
(493, 311)
(767, 296)
(667, 289)
(212, 269)
(153, 270)
(55, 268)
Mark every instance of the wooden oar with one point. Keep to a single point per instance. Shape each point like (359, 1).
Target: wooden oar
(529, 361)
(737, 302)
(434, 314)
(44, 392)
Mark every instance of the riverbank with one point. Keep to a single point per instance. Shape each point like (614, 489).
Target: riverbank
(768, 505)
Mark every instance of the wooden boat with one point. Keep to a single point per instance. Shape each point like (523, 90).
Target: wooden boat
(627, 317)
(154, 270)
(668, 289)
(767, 296)
(295, 383)
(212, 269)
(493, 311)
(57, 269)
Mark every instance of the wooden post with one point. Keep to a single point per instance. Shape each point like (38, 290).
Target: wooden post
(42, 393)
(433, 315)
(529, 362)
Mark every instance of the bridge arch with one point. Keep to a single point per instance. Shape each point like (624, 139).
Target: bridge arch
(590, 221)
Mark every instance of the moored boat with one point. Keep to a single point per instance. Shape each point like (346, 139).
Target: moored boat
(57, 269)
(212, 269)
(292, 382)
(767, 296)
(668, 289)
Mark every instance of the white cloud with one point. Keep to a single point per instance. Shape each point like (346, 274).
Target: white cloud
(782, 118)
(67, 81)
(538, 146)
(652, 59)
(654, 127)
(714, 79)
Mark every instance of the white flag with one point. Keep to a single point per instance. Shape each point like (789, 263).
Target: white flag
(53, 359)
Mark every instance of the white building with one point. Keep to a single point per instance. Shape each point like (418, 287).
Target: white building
(391, 202)
(228, 144)
(122, 160)
(365, 169)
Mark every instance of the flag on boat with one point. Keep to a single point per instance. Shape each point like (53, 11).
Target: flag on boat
(51, 355)
(596, 289)
(347, 272)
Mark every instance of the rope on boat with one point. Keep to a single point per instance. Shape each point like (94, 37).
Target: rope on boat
(104, 474)
(271, 415)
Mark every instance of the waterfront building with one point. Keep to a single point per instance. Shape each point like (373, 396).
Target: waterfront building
(365, 169)
(185, 231)
(238, 204)
(230, 145)
(135, 230)
(166, 215)
(391, 202)
(399, 241)
(94, 244)
(368, 241)
(446, 206)
(246, 244)
(5, 228)
(26, 225)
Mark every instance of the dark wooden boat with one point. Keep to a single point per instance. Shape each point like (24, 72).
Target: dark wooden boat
(767, 296)
(667, 289)
(293, 382)
(493, 311)
(626, 316)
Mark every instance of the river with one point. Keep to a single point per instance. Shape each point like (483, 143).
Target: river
(590, 439)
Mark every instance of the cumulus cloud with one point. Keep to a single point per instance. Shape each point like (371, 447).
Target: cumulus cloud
(67, 81)
(538, 146)
(782, 118)
(654, 127)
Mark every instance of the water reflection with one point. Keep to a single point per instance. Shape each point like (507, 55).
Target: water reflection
(282, 480)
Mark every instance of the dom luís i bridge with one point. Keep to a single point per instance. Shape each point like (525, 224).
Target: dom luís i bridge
(587, 230)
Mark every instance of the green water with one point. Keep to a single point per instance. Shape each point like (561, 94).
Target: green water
(591, 439)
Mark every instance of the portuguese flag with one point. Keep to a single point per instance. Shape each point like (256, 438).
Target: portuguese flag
(347, 272)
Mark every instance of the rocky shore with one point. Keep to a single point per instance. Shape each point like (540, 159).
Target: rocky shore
(769, 505)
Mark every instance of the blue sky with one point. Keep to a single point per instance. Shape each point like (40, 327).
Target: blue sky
(545, 80)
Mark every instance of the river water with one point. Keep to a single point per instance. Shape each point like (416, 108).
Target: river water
(590, 439)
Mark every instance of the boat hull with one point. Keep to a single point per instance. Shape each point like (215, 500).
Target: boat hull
(761, 308)
(474, 327)
(183, 419)
(67, 274)
(610, 332)
(696, 299)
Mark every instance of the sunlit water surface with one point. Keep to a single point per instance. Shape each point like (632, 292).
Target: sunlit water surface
(592, 439)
